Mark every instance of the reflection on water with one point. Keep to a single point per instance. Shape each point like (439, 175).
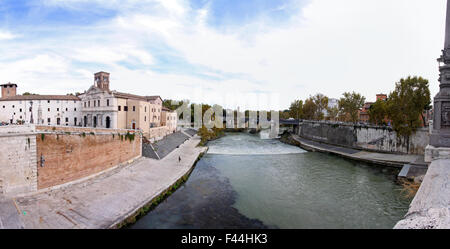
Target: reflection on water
(246, 182)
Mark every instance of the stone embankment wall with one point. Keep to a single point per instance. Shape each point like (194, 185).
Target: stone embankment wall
(372, 138)
(38, 157)
(18, 171)
(430, 208)
(158, 133)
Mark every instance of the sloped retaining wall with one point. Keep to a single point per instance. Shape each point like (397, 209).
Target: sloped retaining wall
(372, 138)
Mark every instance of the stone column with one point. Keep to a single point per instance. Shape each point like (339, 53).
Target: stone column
(439, 147)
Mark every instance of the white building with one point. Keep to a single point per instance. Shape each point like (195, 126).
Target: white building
(98, 107)
(38, 109)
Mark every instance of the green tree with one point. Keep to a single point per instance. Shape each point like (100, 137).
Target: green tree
(321, 102)
(173, 105)
(378, 112)
(286, 114)
(406, 104)
(296, 109)
(333, 113)
(309, 109)
(350, 105)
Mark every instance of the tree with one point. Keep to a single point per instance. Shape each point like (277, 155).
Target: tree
(350, 105)
(171, 104)
(378, 112)
(27, 93)
(309, 109)
(296, 109)
(333, 113)
(406, 104)
(286, 114)
(321, 102)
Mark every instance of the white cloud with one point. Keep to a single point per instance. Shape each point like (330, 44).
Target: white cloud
(6, 35)
(329, 46)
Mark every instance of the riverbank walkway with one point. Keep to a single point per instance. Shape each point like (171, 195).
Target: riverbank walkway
(392, 160)
(103, 201)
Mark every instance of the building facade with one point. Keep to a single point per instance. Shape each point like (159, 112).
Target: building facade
(98, 107)
(169, 119)
(38, 109)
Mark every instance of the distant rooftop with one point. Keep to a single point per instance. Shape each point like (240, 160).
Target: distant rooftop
(40, 97)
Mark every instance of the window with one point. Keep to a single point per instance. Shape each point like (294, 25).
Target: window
(119, 108)
(84, 104)
(95, 103)
(48, 101)
(75, 121)
(125, 108)
(145, 118)
(57, 109)
(107, 102)
(89, 103)
(98, 103)
(48, 109)
(75, 109)
(48, 120)
(13, 106)
(67, 120)
(134, 108)
(146, 109)
(20, 110)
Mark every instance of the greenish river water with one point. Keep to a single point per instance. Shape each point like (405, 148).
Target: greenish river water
(248, 182)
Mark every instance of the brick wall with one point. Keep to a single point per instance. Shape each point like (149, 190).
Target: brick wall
(17, 160)
(70, 155)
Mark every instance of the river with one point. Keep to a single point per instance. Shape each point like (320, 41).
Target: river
(248, 182)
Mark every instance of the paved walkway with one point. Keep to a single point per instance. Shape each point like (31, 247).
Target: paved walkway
(394, 160)
(108, 199)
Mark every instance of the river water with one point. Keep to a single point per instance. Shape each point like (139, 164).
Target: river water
(248, 182)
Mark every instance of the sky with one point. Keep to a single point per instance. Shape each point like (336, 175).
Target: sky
(256, 54)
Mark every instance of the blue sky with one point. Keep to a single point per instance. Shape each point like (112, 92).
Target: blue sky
(213, 50)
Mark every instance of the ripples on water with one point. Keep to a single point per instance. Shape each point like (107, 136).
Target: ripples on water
(246, 182)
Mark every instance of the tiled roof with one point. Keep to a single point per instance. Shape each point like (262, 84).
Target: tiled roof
(167, 109)
(40, 97)
(129, 96)
(153, 97)
(133, 96)
(9, 84)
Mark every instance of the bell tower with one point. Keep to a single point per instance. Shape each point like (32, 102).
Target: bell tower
(9, 90)
(101, 80)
